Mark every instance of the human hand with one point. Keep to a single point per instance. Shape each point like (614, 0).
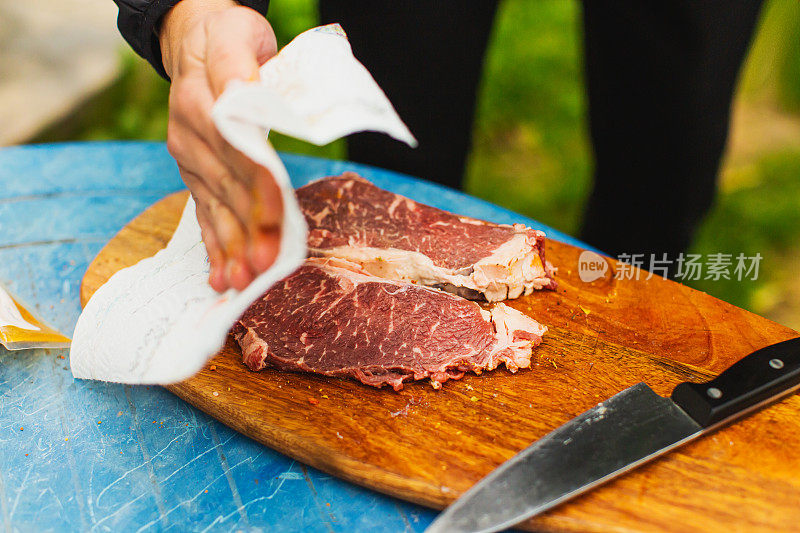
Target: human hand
(205, 44)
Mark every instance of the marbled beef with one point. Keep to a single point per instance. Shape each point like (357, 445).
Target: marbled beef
(394, 237)
(332, 318)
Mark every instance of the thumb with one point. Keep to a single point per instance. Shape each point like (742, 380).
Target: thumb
(238, 42)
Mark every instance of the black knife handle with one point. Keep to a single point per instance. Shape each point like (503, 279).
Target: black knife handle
(756, 379)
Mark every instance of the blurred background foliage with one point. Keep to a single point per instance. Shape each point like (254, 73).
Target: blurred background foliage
(530, 140)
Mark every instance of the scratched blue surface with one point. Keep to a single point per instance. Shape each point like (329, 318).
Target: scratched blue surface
(82, 455)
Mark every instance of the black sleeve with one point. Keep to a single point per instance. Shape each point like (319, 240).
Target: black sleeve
(139, 19)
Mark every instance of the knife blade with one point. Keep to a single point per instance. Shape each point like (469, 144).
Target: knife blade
(617, 435)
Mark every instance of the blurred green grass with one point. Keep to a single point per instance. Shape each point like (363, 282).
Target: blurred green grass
(531, 152)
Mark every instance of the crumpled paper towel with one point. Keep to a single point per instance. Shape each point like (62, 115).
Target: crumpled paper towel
(159, 321)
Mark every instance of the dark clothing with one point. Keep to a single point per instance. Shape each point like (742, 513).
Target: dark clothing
(138, 22)
(660, 79)
(428, 58)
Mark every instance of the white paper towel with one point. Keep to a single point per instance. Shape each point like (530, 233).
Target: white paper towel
(159, 321)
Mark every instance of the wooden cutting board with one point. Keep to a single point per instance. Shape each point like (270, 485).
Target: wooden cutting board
(429, 446)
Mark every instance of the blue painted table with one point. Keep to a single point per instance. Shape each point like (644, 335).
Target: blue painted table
(83, 455)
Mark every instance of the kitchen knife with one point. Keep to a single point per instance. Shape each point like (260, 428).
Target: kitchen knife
(621, 433)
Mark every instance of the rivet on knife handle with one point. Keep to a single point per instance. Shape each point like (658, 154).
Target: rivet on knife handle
(764, 375)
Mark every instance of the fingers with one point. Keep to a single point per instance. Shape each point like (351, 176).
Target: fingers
(267, 217)
(268, 206)
(247, 190)
(238, 42)
(264, 248)
(227, 239)
(216, 257)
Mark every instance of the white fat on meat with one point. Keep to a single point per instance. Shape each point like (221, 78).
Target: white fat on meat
(512, 270)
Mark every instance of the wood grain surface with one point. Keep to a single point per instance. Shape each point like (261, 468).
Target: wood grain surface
(429, 446)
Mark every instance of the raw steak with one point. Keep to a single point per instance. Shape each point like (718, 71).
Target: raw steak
(394, 237)
(332, 318)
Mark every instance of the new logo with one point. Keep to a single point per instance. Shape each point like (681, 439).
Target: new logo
(591, 266)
